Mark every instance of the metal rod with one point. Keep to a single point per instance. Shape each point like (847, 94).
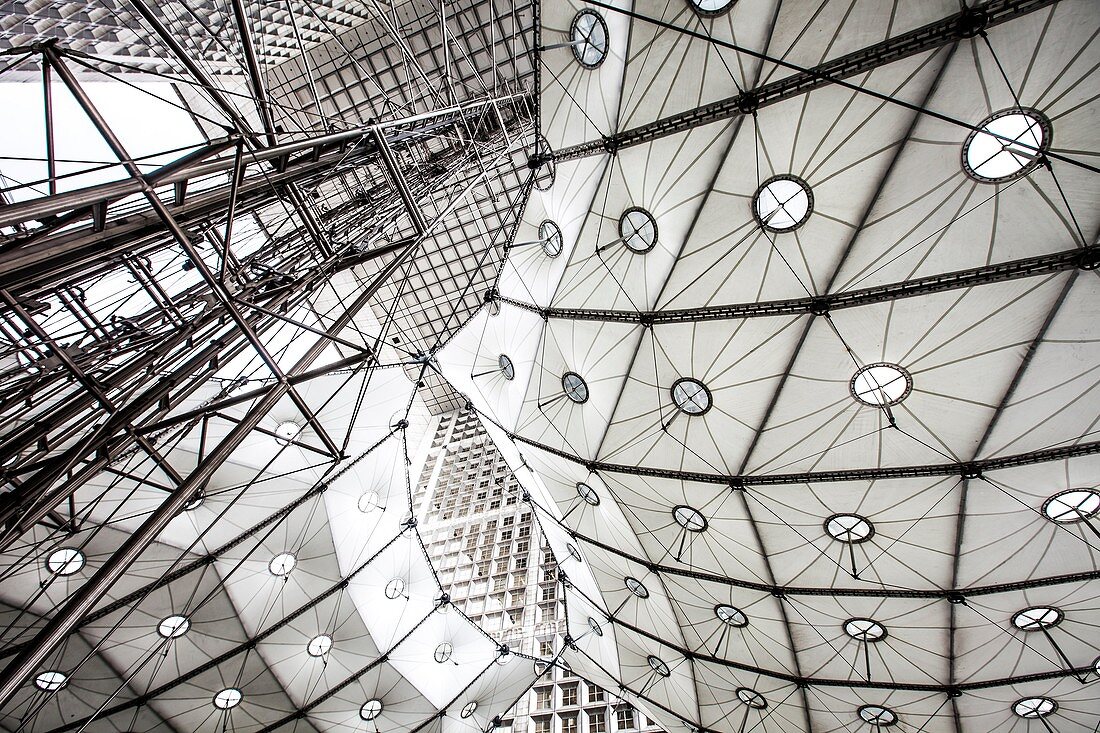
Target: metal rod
(47, 98)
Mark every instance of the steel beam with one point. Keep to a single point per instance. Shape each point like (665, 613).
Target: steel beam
(881, 473)
(88, 595)
(935, 35)
(1046, 264)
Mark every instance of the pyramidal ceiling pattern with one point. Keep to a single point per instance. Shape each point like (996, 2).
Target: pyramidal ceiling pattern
(799, 359)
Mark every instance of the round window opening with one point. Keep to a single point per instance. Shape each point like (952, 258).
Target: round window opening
(443, 652)
(877, 715)
(1037, 618)
(849, 528)
(881, 385)
(588, 494)
(689, 518)
(1007, 145)
(281, 565)
(66, 561)
(575, 387)
(691, 396)
(51, 681)
(1072, 505)
(658, 666)
(468, 709)
(589, 39)
(711, 7)
(371, 709)
(228, 698)
(865, 629)
(1034, 707)
(731, 616)
(751, 698)
(369, 501)
(573, 552)
(638, 230)
(395, 588)
(286, 432)
(550, 236)
(173, 627)
(595, 626)
(783, 203)
(636, 587)
(506, 367)
(319, 645)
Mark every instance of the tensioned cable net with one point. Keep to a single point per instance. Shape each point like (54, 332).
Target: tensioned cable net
(783, 315)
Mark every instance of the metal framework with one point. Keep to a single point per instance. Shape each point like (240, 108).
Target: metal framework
(965, 24)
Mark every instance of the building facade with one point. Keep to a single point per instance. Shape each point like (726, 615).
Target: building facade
(493, 561)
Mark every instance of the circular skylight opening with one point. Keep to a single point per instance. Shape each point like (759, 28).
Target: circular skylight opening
(228, 698)
(881, 384)
(689, 518)
(506, 367)
(468, 710)
(1006, 145)
(550, 235)
(691, 396)
(371, 709)
(588, 493)
(51, 681)
(1037, 618)
(547, 170)
(287, 431)
(589, 38)
(595, 626)
(66, 561)
(658, 666)
(865, 629)
(173, 627)
(319, 645)
(877, 715)
(281, 565)
(638, 230)
(1034, 707)
(850, 528)
(575, 387)
(751, 698)
(1072, 505)
(573, 552)
(368, 502)
(731, 616)
(443, 652)
(636, 587)
(711, 7)
(782, 203)
(395, 588)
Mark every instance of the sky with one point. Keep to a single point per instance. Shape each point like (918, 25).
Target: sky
(139, 114)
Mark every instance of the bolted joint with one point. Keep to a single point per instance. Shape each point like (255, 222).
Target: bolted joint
(954, 692)
(610, 144)
(957, 598)
(747, 103)
(819, 306)
(972, 22)
(970, 471)
(1089, 259)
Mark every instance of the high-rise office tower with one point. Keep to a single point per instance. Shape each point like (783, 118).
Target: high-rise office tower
(493, 561)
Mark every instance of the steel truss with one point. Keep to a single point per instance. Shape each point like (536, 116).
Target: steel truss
(1084, 258)
(54, 243)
